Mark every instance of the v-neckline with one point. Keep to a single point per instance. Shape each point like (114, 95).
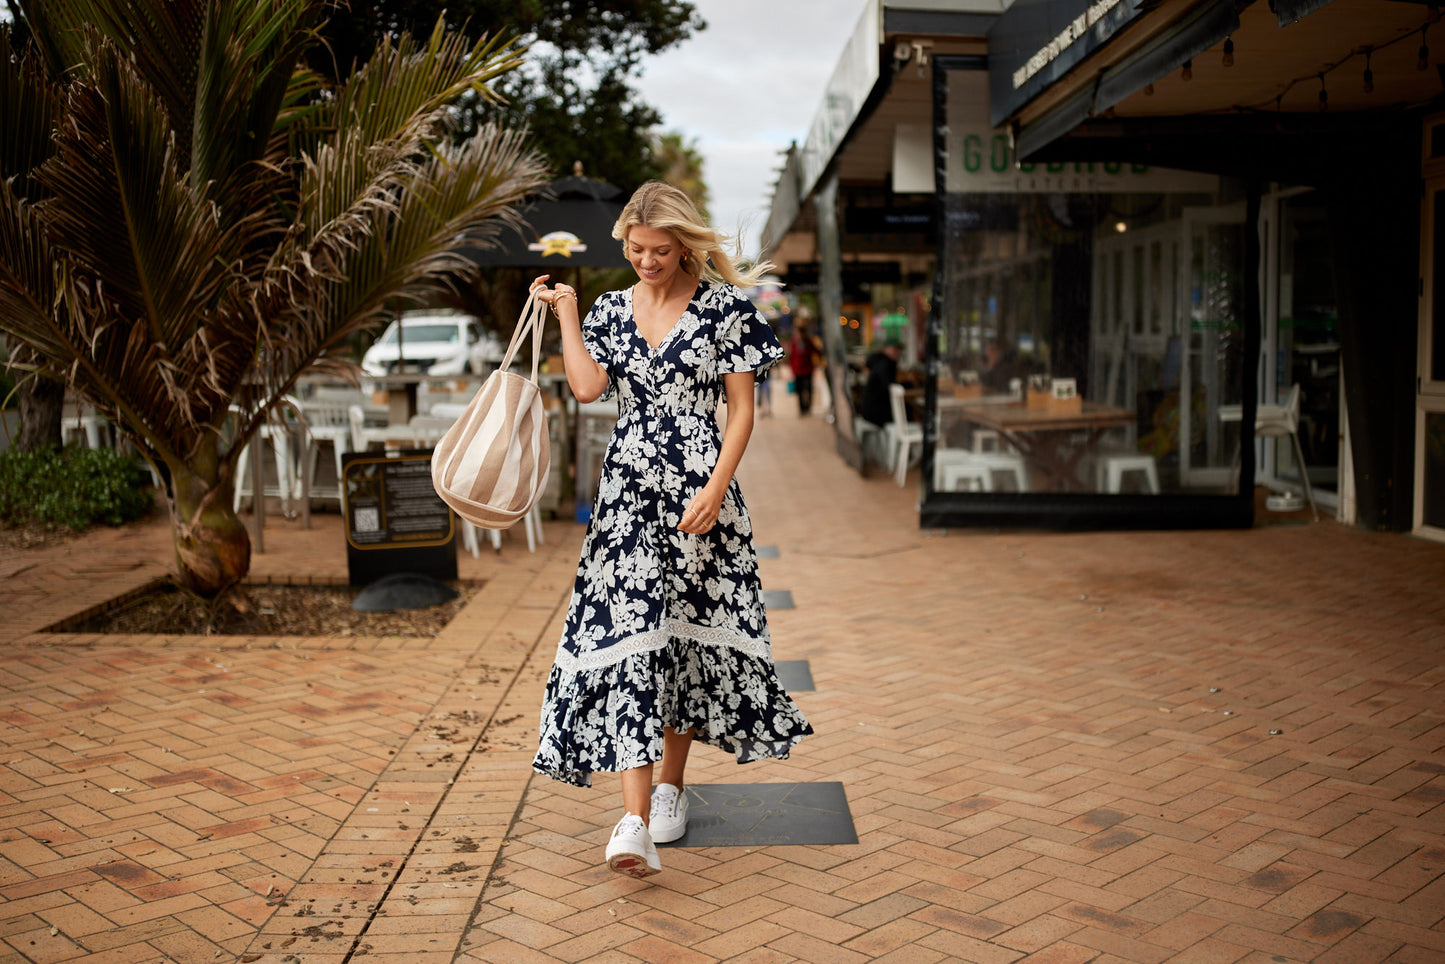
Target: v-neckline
(632, 316)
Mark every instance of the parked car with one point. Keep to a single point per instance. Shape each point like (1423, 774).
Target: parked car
(426, 343)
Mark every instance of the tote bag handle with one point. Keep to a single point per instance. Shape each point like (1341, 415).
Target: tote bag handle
(533, 319)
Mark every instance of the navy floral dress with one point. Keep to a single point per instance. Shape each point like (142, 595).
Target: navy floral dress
(666, 628)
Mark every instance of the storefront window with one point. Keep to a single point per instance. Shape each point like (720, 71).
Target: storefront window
(1074, 326)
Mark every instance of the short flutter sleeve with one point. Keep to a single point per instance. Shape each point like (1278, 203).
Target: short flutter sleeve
(597, 338)
(746, 342)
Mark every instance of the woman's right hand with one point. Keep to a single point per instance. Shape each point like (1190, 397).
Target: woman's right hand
(547, 295)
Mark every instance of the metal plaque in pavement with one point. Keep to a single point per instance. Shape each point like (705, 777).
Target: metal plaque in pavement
(766, 815)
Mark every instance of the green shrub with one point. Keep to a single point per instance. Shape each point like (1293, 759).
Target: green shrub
(73, 487)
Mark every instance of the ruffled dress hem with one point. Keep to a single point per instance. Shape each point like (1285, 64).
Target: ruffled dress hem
(611, 718)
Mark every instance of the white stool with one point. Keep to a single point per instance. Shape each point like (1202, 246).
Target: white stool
(954, 466)
(962, 476)
(1109, 472)
(965, 465)
(1006, 463)
(986, 440)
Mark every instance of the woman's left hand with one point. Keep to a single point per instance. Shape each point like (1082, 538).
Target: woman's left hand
(701, 513)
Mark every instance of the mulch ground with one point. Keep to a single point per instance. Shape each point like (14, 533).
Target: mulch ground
(271, 610)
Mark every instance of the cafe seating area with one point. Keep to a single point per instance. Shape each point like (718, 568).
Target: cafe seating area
(299, 452)
(1037, 437)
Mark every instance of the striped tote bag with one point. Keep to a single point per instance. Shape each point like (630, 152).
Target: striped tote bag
(491, 465)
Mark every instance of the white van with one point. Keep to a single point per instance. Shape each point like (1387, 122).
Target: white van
(429, 343)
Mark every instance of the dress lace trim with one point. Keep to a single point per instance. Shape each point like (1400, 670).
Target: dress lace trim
(655, 639)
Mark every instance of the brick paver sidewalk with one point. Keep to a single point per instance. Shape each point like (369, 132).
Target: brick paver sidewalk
(1204, 747)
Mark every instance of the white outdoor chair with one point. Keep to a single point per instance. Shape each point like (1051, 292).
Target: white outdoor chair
(365, 435)
(282, 422)
(902, 434)
(1279, 421)
(327, 422)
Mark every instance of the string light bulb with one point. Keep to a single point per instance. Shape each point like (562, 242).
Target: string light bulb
(1188, 72)
(1424, 62)
(1324, 94)
(1149, 89)
(1369, 85)
(1228, 59)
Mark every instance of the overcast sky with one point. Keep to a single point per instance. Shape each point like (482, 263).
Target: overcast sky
(744, 88)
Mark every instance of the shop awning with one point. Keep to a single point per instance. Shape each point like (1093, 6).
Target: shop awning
(1025, 59)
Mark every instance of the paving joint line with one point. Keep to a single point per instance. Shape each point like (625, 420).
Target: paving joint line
(462, 762)
(496, 860)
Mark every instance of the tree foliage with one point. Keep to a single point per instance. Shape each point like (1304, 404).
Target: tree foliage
(575, 90)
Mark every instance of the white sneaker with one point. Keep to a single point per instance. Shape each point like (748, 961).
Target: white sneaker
(630, 851)
(667, 819)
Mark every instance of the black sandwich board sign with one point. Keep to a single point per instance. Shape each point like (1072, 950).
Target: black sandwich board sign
(395, 521)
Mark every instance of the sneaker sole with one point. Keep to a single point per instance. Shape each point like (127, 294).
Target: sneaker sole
(668, 836)
(631, 865)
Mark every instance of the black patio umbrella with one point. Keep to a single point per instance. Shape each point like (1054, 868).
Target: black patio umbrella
(569, 225)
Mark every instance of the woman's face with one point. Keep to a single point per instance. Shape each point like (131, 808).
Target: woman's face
(655, 255)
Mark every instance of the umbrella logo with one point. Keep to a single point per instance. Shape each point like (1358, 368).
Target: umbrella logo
(564, 243)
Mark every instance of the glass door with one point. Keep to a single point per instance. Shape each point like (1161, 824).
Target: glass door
(1430, 385)
(1302, 344)
(1212, 266)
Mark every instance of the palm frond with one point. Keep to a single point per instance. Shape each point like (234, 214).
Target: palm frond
(459, 197)
(249, 54)
(37, 299)
(159, 249)
(162, 40)
(30, 104)
(29, 300)
(402, 91)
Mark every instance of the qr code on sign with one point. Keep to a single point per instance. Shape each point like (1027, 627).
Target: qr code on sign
(367, 520)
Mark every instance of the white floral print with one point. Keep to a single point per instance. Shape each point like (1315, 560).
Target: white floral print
(666, 628)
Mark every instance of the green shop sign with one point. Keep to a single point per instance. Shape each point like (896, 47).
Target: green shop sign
(981, 161)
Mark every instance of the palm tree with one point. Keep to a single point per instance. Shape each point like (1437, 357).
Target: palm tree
(190, 218)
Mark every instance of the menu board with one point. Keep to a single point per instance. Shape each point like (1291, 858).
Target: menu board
(395, 521)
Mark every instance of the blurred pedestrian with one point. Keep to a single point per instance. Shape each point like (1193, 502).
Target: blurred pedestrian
(666, 639)
(876, 405)
(802, 359)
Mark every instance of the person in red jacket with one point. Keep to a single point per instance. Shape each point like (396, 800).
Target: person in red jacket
(802, 359)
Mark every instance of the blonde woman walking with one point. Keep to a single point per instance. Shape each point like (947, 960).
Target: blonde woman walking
(666, 640)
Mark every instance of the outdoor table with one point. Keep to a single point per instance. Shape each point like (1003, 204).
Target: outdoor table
(1043, 436)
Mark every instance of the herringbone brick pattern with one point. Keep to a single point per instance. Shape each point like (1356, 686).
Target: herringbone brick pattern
(1056, 748)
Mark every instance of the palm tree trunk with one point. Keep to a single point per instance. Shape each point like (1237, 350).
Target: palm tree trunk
(41, 404)
(213, 549)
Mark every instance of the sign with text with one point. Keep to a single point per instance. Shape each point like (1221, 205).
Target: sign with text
(1035, 42)
(981, 159)
(395, 522)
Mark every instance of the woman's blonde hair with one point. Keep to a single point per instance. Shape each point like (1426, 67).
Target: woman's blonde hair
(662, 207)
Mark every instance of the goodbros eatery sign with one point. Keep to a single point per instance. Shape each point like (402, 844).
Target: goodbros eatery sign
(980, 161)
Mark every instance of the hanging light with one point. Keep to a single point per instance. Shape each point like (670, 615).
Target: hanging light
(1369, 85)
(1424, 62)
(1324, 94)
(1188, 72)
(1229, 51)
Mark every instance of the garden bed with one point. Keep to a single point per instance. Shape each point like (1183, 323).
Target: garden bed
(263, 610)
